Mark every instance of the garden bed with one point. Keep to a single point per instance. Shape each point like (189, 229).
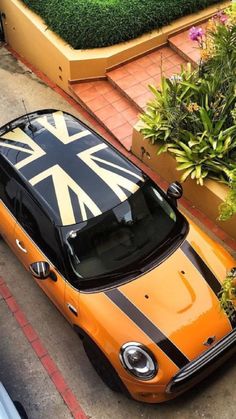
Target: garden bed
(207, 198)
(95, 23)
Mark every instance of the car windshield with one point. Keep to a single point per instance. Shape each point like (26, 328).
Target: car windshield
(126, 237)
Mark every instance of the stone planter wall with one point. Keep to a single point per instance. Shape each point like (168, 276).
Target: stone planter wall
(207, 197)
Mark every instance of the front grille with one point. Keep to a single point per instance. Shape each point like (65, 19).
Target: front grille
(195, 370)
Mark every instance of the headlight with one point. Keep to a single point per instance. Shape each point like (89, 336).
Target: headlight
(138, 360)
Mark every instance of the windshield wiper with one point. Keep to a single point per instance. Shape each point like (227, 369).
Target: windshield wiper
(114, 275)
(167, 244)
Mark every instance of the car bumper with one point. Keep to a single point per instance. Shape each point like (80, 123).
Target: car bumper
(201, 366)
(188, 376)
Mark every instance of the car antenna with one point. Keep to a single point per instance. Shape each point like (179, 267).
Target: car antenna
(31, 126)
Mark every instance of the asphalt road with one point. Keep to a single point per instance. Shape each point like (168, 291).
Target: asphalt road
(214, 398)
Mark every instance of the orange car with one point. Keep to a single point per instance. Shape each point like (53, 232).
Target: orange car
(138, 282)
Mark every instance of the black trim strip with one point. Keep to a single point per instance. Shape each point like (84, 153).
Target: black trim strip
(148, 327)
(207, 274)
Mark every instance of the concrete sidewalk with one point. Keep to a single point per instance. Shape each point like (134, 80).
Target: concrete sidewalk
(18, 83)
(23, 374)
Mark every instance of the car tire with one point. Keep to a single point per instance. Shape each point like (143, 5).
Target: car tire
(103, 367)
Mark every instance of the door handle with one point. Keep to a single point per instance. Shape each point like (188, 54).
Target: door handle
(20, 247)
(72, 309)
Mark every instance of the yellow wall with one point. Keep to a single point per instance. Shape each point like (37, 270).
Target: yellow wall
(28, 35)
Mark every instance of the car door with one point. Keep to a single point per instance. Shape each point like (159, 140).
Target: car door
(35, 238)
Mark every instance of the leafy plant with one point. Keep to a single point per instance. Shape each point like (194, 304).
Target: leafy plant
(193, 123)
(228, 208)
(228, 293)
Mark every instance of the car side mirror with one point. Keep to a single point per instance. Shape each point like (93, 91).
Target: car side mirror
(174, 192)
(41, 270)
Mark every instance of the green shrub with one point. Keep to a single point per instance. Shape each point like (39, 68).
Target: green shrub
(98, 23)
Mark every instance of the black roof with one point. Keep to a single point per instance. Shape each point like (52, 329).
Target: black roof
(72, 168)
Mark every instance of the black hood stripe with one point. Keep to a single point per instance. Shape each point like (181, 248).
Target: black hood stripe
(202, 268)
(206, 273)
(148, 327)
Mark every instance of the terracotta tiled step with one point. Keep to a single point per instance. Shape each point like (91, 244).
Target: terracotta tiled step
(109, 107)
(132, 79)
(185, 47)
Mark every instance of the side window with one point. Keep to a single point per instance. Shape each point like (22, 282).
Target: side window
(8, 190)
(39, 227)
(28, 216)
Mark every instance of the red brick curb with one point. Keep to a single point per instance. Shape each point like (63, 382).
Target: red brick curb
(231, 243)
(42, 353)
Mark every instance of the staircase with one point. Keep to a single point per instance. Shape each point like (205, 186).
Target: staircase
(117, 101)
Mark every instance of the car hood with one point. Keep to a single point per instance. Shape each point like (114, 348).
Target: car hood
(174, 308)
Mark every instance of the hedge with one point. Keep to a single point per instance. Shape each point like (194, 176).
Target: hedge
(98, 23)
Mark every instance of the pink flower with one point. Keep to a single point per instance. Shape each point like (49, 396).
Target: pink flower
(196, 34)
(221, 17)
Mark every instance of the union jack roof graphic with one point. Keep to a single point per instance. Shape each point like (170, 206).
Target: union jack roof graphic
(74, 170)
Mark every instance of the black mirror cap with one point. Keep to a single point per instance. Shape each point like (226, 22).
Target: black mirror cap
(175, 192)
(40, 270)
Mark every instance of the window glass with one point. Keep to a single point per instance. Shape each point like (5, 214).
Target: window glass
(28, 220)
(126, 237)
(40, 228)
(8, 190)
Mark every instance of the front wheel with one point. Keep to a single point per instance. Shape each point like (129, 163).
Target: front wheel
(103, 367)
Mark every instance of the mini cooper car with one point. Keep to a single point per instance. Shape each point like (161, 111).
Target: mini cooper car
(138, 282)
